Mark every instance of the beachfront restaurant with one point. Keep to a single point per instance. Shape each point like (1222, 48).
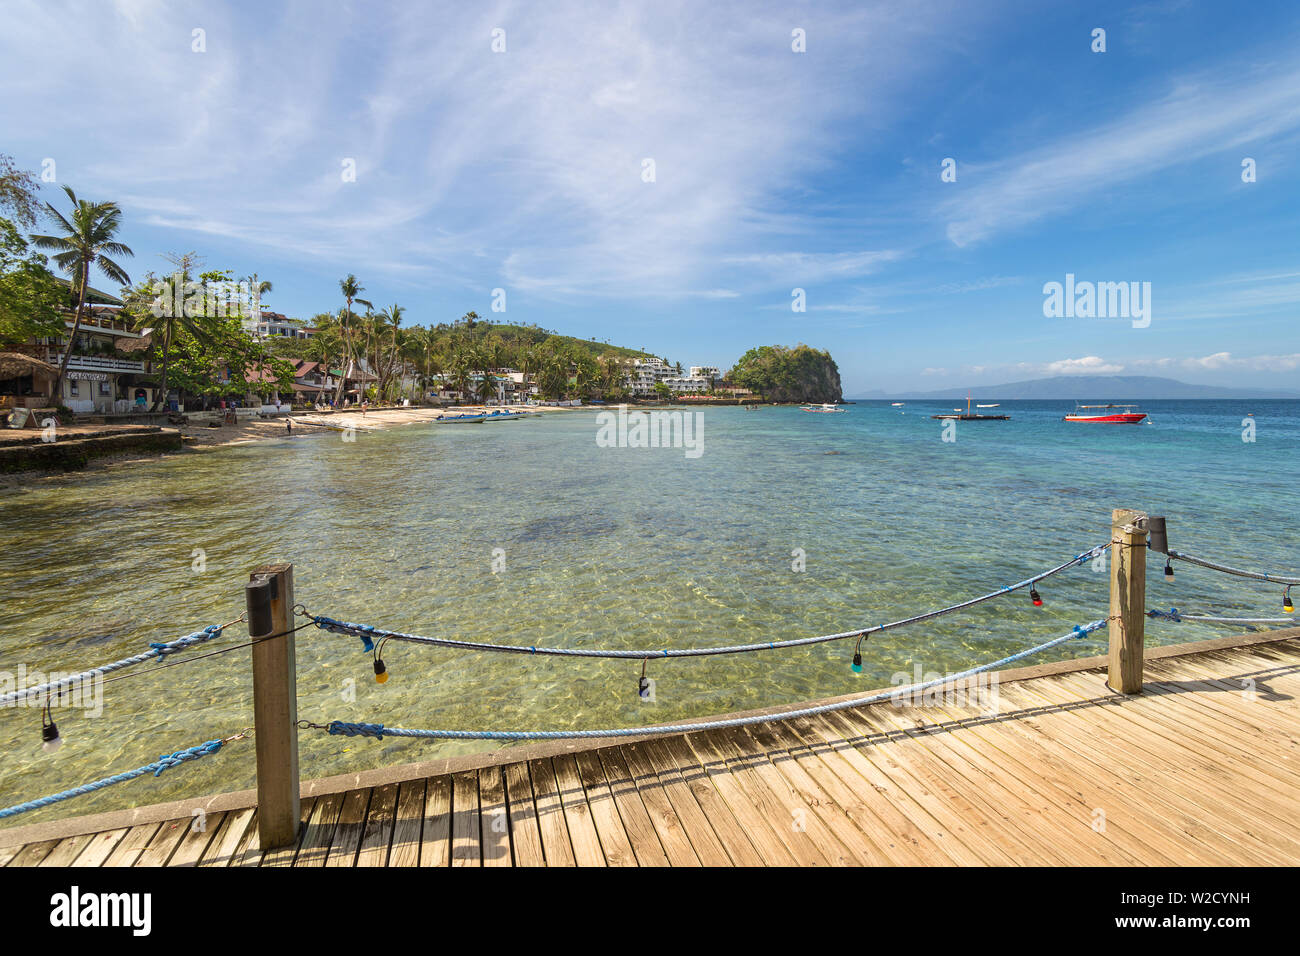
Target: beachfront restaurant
(106, 373)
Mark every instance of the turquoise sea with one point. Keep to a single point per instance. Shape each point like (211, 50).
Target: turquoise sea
(621, 547)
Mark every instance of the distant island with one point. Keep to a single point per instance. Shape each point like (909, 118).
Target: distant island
(1116, 388)
(780, 374)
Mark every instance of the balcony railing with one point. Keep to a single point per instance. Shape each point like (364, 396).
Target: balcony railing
(117, 327)
(96, 363)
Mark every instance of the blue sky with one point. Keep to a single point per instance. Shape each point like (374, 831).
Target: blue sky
(774, 170)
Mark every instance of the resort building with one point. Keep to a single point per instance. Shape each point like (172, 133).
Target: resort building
(312, 382)
(645, 374)
(275, 324)
(693, 384)
(106, 374)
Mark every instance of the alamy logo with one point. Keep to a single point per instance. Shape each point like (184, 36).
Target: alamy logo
(73, 909)
(1098, 300)
(651, 430)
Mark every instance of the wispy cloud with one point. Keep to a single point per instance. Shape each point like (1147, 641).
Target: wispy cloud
(1195, 117)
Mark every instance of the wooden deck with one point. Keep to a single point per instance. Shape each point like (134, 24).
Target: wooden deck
(1201, 768)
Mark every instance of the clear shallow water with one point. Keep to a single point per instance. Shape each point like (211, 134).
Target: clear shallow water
(603, 547)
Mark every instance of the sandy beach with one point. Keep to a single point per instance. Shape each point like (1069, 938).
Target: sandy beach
(310, 422)
(200, 436)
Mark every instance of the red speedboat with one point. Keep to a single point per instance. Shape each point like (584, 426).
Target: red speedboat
(1107, 414)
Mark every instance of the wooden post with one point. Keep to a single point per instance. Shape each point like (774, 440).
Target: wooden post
(275, 704)
(1128, 594)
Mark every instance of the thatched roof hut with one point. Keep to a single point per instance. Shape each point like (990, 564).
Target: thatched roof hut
(17, 365)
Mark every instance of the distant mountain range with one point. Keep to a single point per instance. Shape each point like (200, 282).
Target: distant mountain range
(1100, 388)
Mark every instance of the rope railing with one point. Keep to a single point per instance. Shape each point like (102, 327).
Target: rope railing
(379, 731)
(156, 651)
(1238, 572)
(369, 633)
(165, 762)
(1173, 614)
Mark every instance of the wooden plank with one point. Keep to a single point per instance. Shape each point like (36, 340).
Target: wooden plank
(722, 799)
(1021, 814)
(352, 824)
(1037, 767)
(552, 822)
(652, 775)
(130, 847)
(860, 776)
(435, 843)
(1225, 755)
(195, 841)
(963, 827)
(494, 818)
(67, 850)
(1204, 785)
(525, 835)
(33, 853)
(409, 824)
(790, 766)
(250, 851)
(663, 817)
(100, 848)
(1191, 838)
(641, 831)
(891, 848)
(313, 850)
(464, 820)
(225, 844)
(577, 814)
(578, 776)
(782, 812)
(1217, 781)
(164, 842)
(378, 833)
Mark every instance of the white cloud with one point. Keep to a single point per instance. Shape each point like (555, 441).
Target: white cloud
(1088, 365)
(520, 169)
(1198, 117)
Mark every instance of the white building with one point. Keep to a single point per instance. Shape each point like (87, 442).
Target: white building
(645, 374)
(691, 384)
(709, 372)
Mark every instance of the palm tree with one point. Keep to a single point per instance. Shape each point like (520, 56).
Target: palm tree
(87, 243)
(258, 287)
(351, 289)
(389, 320)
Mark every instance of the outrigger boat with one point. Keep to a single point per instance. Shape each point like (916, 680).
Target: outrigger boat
(821, 409)
(466, 419)
(501, 415)
(1105, 415)
(969, 416)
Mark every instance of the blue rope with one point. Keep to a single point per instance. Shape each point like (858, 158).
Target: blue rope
(1213, 566)
(379, 731)
(1173, 614)
(165, 762)
(368, 632)
(156, 650)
